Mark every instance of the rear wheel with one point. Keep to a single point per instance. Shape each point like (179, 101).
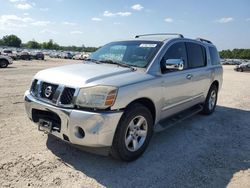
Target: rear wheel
(3, 63)
(133, 133)
(211, 100)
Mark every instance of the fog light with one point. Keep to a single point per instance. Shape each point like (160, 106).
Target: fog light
(79, 132)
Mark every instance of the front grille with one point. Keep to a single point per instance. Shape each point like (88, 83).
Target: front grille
(67, 95)
(53, 93)
(48, 90)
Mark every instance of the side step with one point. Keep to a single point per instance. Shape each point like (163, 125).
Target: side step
(172, 120)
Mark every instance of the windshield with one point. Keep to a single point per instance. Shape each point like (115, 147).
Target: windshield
(134, 53)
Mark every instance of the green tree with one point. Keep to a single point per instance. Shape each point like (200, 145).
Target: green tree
(11, 40)
(50, 45)
(235, 53)
(33, 45)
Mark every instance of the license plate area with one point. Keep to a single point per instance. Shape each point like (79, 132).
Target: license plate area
(45, 125)
(47, 121)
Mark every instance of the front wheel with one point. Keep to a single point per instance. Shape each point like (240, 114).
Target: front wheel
(211, 100)
(133, 133)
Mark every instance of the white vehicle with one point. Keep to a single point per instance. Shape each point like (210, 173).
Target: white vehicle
(5, 61)
(81, 56)
(125, 91)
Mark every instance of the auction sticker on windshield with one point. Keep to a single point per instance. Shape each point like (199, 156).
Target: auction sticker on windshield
(148, 45)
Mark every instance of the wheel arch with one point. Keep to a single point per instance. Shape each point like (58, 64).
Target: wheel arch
(216, 83)
(148, 103)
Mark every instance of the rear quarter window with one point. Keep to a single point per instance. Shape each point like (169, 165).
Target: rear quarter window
(196, 55)
(214, 56)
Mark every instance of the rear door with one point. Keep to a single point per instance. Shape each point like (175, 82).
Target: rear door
(199, 72)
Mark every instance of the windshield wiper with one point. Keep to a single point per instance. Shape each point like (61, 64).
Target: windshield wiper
(109, 61)
(93, 60)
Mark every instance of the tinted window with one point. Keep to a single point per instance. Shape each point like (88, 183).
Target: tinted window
(176, 51)
(215, 59)
(196, 55)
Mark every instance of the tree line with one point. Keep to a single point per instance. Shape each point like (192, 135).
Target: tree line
(15, 41)
(235, 54)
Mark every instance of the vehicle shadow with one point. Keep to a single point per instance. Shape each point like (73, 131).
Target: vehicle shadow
(9, 67)
(203, 151)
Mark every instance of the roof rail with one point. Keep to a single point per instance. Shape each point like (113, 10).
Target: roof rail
(204, 40)
(155, 34)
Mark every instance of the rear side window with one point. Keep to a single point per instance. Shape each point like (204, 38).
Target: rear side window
(215, 59)
(196, 55)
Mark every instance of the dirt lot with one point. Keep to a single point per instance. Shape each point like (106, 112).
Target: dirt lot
(204, 151)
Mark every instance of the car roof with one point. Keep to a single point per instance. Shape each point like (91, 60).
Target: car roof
(166, 37)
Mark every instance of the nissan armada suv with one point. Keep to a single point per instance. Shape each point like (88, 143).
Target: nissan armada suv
(125, 91)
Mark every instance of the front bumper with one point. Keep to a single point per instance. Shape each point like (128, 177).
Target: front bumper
(99, 128)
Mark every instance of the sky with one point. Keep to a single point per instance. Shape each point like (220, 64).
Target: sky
(96, 22)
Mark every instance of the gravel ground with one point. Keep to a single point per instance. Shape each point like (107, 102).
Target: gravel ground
(203, 151)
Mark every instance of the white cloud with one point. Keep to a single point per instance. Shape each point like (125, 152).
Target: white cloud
(69, 23)
(137, 7)
(47, 31)
(169, 20)
(8, 22)
(124, 13)
(26, 14)
(108, 14)
(41, 23)
(96, 19)
(44, 9)
(24, 6)
(27, 19)
(15, 1)
(111, 14)
(13, 18)
(76, 32)
(225, 20)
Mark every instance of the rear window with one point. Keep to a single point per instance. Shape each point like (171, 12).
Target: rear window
(196, 55)
(214, 56)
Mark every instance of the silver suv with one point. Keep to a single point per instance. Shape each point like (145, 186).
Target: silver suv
(114, 101)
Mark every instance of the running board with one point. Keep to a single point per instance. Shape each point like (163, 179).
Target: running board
(172, 120)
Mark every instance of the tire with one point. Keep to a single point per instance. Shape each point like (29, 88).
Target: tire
(135, 126)
(4, 63)
(211, 100)
(241, 70)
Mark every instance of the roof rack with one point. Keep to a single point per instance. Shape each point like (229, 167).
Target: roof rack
(204, 40)
(155, 34)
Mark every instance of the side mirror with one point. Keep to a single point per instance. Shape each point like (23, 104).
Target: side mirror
(174, 64)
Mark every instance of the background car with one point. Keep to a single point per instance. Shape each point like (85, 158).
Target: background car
(24, 56)
(10, 53)
(5, 61)
(37, 55)
(243, 67)
(66, 55)
(81, 56)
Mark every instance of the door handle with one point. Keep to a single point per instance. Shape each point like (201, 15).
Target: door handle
(189, 76)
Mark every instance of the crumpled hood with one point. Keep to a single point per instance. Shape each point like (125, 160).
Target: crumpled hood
(81, 75)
